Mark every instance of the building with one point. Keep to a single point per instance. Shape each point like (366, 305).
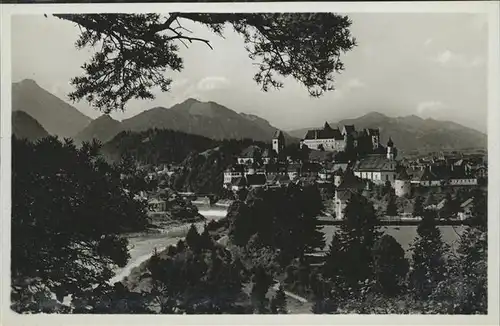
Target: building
(157, 205)
(277, 180)
(293, 171)
(249, 155)
(269, 156)
(278, 142)
(466, 209)
(378, 168)
(402, 185)
(238, 184)
(233, 172)
(337, 140)
(428, 177)
(327, 139)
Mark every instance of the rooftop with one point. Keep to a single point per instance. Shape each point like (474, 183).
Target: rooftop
(375, 162)
(250, 151)
(326, 133)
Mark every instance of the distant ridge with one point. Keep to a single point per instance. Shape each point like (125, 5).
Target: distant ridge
(25, 126)
(56, 116)
(412, 133)
(103, 129)
(207, 119)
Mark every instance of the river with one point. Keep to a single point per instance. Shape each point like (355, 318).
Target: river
(141, 248)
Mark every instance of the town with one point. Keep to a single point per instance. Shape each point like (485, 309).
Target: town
(346, 161)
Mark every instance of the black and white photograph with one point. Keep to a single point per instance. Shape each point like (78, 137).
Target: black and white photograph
(201, 162)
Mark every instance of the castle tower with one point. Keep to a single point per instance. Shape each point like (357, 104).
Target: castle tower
(402, 184)
(391, 150)
(278, 141)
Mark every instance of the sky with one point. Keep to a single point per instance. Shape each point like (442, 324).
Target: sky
(427, 64)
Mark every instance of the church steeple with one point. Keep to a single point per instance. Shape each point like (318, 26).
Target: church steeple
(278, 141)
(391, 151)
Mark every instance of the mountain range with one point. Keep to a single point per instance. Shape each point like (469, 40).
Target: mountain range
(215, 121)
(412, 133)
(207, 119)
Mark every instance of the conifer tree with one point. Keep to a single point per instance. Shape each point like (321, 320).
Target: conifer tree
(390, 265)
(193, 238)
(278, 303)
(391, 209)
(350, 260)
(429, 254)
(479, 211)
(418, 209)
(261, 283)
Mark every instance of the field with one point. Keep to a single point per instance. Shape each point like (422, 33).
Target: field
(405, 234)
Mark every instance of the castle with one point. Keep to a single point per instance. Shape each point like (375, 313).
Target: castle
(330, 139)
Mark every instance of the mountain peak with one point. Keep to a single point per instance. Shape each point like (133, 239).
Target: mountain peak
(375, 114)
(190, 101)
(105, 117)
(27, 83)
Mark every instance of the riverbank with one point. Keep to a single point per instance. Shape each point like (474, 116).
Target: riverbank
(142, 245)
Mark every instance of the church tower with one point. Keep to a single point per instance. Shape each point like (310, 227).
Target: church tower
(391, 150)
(278, 141)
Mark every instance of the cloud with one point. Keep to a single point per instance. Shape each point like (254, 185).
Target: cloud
(454, 59)
(430, 106)
(428, 41)
(212, 83)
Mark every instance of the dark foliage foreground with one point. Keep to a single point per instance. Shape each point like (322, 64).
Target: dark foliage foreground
(70, 207)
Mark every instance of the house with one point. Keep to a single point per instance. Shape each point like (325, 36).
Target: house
(481, 171)
(427, 178)
(376, 168)
(254, 168)
(157, 205)
(249, 155)
(277, 180)
(310, 169)
(275, 168)
(305, 180)
(294, 171)
(318, 156)
(437, 207)
(238, 184)
(463, 181)
(466, 209)
(325, 175)
(269, 156)
(232, 172)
